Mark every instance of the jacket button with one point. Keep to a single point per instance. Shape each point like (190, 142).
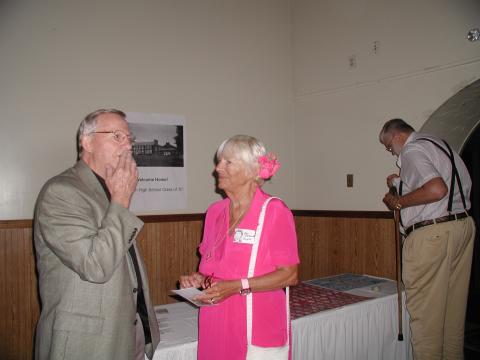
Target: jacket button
(135, 290)
(135, 322)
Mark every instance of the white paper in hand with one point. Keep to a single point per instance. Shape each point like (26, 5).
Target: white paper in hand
(189, 294)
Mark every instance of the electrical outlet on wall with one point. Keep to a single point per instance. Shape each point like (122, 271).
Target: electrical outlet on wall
(349, 180)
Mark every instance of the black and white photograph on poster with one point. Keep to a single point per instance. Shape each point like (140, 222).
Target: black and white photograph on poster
(157, 145)
(159, 151)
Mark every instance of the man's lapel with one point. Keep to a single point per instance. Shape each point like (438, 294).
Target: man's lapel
(87, 176)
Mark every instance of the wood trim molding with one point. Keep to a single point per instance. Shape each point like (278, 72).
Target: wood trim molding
(172, 218)
(28, 223)
(344, 214)
(16, 224)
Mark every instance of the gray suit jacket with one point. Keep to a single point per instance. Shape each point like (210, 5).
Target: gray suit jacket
(86, 276)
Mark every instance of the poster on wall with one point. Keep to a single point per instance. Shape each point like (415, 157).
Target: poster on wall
(159, 151)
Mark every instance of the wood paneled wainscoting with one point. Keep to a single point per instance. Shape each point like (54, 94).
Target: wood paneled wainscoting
(329, 243)
(336, 242)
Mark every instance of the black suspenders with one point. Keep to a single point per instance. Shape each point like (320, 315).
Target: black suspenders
(400, 191)
(455, 175)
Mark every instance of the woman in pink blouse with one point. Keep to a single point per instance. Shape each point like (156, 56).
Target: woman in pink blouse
(230, 225)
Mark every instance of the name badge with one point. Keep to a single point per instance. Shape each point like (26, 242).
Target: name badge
(244, 236)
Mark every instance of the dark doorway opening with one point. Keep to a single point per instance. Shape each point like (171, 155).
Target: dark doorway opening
(471, 156)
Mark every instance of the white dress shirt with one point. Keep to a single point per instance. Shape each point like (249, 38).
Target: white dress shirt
(420, 161)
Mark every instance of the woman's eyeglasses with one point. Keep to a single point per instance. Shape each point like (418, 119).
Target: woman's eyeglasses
(207, 282)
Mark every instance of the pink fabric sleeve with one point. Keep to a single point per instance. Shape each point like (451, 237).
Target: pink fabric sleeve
(280, 235)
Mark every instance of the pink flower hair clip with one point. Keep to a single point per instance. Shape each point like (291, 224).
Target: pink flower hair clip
(268, 166)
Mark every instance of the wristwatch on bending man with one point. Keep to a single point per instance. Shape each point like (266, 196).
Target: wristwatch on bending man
(245, 287)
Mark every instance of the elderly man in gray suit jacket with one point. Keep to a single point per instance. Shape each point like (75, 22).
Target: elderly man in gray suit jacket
(93, 285)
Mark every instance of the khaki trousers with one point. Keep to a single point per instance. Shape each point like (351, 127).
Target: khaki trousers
(436, 272)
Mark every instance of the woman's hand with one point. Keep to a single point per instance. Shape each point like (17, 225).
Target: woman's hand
(195, 280)
(219, 291)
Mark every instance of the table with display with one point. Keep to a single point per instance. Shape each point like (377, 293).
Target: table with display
(336, 318)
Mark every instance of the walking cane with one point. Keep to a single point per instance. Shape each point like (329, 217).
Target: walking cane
(396, 216)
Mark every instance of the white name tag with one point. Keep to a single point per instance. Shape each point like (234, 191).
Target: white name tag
(244, 236)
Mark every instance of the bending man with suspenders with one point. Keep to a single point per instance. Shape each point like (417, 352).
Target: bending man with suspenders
(434, 199)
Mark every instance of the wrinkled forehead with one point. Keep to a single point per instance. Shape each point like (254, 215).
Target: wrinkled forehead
(112, 122)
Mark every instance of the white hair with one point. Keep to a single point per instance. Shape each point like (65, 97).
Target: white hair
(245, 148)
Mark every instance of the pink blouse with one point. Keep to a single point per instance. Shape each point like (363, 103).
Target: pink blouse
(222, 327)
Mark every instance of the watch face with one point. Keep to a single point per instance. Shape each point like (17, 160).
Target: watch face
(245, 291)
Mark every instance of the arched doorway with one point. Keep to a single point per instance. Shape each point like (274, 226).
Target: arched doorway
(458, 122)
(471, 156)
(456, 119)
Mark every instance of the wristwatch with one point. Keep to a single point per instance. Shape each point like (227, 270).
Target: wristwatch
(245, 287)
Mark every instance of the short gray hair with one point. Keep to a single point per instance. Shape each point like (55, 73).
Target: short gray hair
(393, 126)
(245, 148)
(89, 124)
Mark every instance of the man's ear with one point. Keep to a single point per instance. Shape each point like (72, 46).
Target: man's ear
(86, 142)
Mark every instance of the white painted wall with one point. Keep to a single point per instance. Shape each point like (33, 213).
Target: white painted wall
(224, 64)
(422, 59)
(276, 69)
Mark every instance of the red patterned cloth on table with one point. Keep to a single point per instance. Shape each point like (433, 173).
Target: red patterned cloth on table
(308, 299)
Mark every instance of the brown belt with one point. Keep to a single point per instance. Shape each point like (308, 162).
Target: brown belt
(436, 221)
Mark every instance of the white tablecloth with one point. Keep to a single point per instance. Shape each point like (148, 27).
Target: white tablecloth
(365, 330)
(178, 332)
